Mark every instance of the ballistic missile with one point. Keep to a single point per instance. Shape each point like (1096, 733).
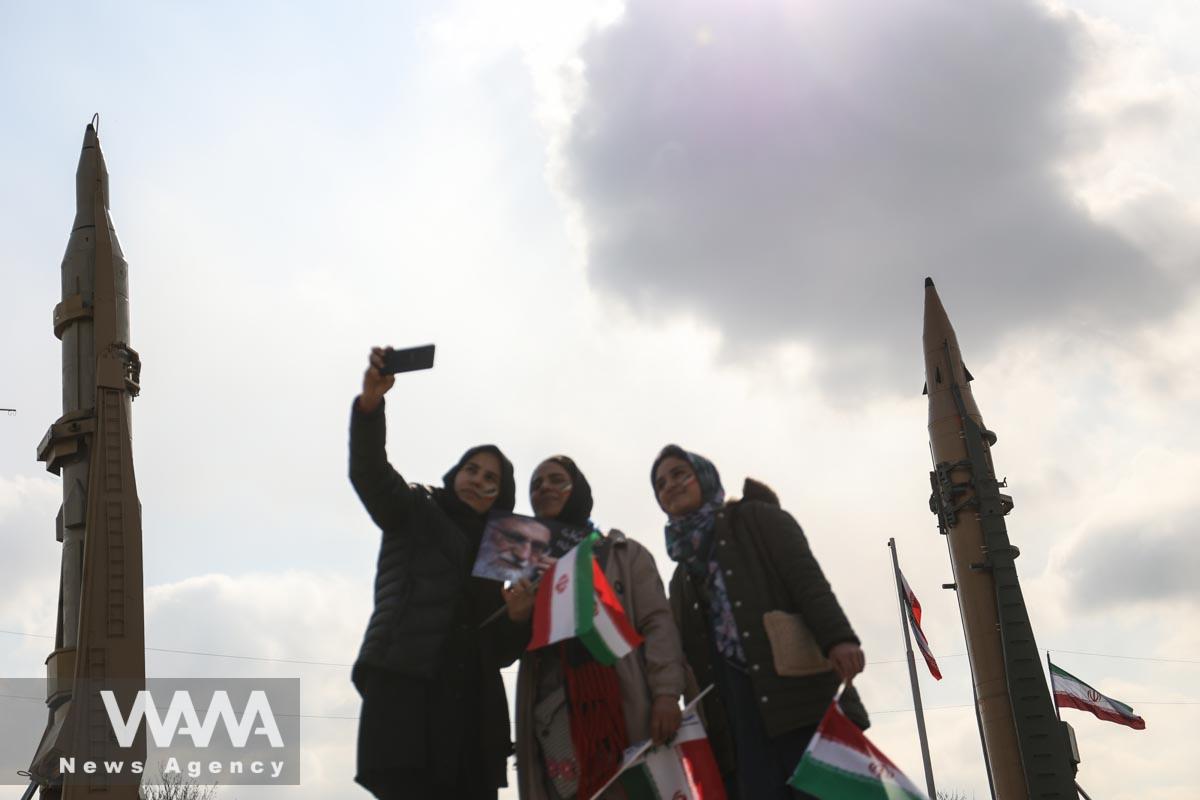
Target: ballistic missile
(1028, 750)
(100, 633)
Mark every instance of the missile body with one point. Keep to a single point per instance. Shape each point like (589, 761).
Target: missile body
(100, 638)
(1027, 749)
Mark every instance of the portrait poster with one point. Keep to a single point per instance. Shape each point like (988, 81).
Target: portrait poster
(516, 546)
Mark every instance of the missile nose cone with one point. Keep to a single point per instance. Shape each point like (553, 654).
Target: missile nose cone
(937, 323)
(91, 176)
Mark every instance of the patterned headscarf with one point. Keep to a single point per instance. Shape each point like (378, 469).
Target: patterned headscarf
(690, 543)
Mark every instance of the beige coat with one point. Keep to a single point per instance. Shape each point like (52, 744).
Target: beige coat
(655, 668)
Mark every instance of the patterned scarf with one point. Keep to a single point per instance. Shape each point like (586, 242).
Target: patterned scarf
(690, 543)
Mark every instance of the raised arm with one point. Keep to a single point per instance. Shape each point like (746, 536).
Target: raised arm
(384, 493)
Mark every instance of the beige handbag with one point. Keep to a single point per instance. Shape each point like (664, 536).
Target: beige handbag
(793, 648)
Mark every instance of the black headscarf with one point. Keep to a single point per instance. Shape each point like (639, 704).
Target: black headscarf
(468, 519)
(578, 508)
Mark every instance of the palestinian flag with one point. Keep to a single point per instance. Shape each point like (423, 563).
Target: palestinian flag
(913, 607)
(841, 764)
(1070, 692)
(686, 770)
(575, 599)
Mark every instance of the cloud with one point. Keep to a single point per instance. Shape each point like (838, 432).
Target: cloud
(793, 171)
(1152, 561)
(294, 616)
(29, 571)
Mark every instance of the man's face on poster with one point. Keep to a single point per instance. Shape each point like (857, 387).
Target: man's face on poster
(518, 547)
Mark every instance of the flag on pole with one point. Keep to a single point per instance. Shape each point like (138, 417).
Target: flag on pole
(841, 763)
(1070, 692)
(576, 600)
(913, 607)
(684, 770)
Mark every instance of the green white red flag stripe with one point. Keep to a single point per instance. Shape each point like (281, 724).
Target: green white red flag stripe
(1070, 692)
(575, 600)
(684, 770)
(842, 764)
(913, 607)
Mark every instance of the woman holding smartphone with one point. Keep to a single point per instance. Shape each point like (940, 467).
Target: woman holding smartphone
(434, 719)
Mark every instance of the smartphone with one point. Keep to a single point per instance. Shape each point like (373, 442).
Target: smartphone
(407, 360)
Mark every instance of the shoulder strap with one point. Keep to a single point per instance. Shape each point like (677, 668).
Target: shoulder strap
(601, 551)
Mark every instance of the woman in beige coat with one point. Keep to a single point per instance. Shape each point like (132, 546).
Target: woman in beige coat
(574, 716)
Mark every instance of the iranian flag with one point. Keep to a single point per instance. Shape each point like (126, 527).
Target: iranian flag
(913, 607)
(684, 770)
(1070, 692)
(575, 600)
(841, 764)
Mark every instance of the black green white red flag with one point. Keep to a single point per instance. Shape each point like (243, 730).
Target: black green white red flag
(842, 764)
(1070, 692)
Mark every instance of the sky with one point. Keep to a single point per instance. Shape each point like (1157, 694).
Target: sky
(623, 225)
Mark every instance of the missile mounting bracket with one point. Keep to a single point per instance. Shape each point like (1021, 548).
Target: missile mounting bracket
(943, 501)
(65, 439)
(133, 368)
(69, 310)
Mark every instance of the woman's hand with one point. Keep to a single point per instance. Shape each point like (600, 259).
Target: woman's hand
(847, 659)
(375, 383)
(665, 717)
(519, 599)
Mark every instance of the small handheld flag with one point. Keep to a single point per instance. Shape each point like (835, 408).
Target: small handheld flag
(685, 769)
(841, 763)
(574, 599)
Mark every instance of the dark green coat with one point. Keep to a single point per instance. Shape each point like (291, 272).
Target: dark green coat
(767, 565)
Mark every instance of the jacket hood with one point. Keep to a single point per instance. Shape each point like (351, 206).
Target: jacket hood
(754, 490)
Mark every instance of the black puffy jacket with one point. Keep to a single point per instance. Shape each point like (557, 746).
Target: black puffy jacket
(425, 558)
(428, 610)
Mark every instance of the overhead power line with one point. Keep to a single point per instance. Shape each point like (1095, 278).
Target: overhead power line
(312, 663)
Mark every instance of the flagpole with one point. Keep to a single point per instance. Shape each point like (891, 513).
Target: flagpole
(912, 672)
(1058, 713)
(1050, 677)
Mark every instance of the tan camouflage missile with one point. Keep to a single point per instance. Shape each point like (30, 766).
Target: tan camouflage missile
(1028, 751)
(100, 636)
